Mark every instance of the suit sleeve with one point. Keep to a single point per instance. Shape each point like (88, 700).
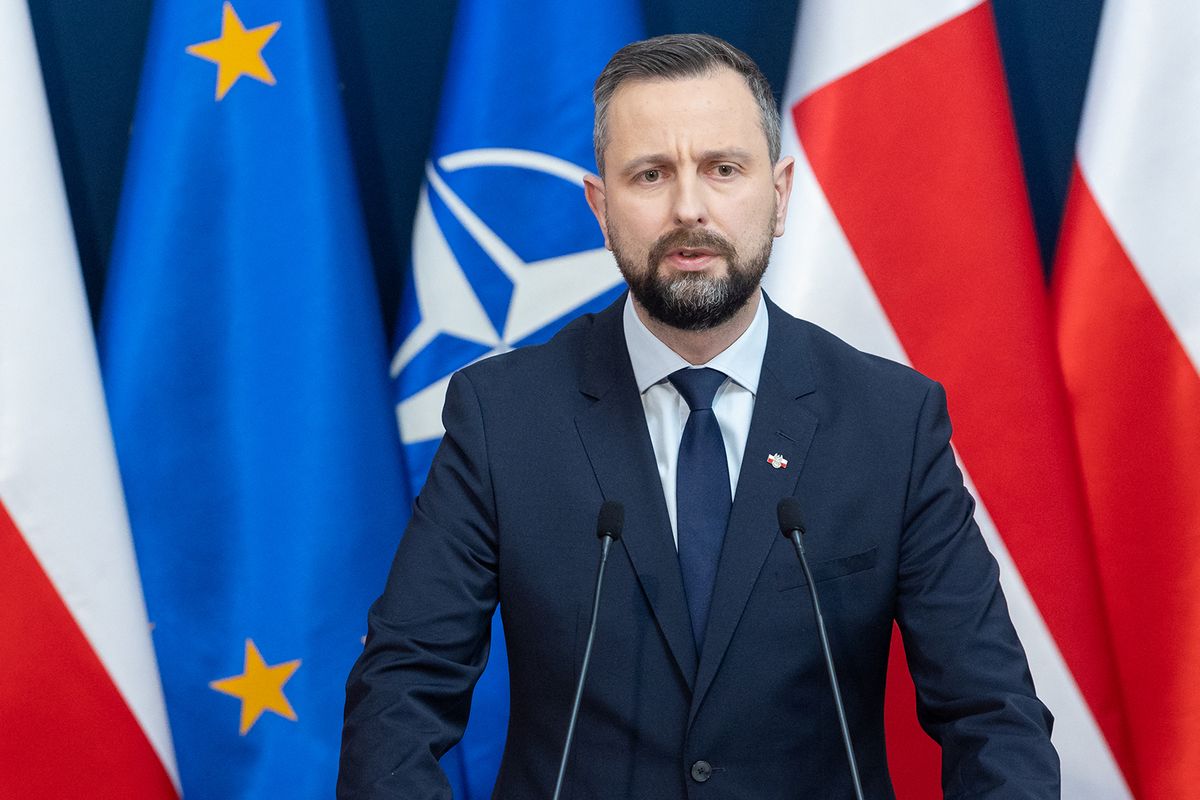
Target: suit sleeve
(409, 694)
(975, 695)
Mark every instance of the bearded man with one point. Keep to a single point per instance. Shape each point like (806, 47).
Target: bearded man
(698, 405)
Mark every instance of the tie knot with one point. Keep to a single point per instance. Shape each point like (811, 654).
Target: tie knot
(697, 386)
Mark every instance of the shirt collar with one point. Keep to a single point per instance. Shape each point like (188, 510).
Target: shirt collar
(653, 361)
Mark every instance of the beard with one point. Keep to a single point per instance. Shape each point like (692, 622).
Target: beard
(693, 301)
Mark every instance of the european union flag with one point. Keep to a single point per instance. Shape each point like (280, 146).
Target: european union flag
(505, 250)
(245, 366)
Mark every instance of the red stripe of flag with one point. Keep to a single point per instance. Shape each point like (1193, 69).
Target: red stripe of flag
(917, 155)
(67, 730)
(1136, 400)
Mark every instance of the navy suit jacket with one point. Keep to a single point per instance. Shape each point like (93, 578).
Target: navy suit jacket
(538, 438)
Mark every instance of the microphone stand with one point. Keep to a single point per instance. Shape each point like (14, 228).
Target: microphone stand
(791, 527)
(611, 521)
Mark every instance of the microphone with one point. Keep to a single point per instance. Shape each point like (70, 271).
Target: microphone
(791, 525)
(608, 528)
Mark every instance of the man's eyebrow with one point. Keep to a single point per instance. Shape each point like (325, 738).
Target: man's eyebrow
(730, 154)
(708, 156)
(644, 162)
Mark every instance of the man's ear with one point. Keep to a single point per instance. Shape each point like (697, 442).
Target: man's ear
(593, 190)
(784, 170)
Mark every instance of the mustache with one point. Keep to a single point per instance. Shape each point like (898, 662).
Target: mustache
(691, 238)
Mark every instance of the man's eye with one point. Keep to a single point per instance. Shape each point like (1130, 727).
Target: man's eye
(651, 175)
(725, 170)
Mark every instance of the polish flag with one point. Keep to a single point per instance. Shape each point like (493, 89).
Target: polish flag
(1127, 301)
(80, 700)
(910, 236)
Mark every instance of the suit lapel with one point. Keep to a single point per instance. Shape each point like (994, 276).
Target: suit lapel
(614, 435)
(780, 425)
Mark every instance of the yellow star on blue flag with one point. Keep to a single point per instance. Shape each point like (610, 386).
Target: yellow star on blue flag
(237, 51)
(259, 687)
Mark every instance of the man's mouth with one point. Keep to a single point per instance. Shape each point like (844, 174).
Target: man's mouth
(691, 251)
(690, 258)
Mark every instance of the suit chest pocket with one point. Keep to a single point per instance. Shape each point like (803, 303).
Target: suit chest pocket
(793, 576)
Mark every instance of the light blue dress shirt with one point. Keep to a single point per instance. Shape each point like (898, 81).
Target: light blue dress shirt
(666, 411)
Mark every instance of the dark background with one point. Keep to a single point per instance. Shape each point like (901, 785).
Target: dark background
(391, 56)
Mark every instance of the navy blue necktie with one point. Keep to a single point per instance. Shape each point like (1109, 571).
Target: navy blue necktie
(702, 495)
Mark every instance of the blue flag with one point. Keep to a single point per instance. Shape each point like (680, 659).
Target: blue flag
(505, 250)
(245, 366)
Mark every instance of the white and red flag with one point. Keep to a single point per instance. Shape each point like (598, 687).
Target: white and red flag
(1127, 300)
(910, 235)
(80, 699)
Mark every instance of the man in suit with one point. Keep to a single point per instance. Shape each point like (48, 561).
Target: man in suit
(697, 404)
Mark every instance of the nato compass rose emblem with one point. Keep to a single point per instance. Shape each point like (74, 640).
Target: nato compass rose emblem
(505, 252)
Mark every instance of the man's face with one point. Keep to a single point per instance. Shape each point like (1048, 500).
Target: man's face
(690, 200)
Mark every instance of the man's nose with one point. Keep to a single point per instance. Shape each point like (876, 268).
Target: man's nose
(689, 209)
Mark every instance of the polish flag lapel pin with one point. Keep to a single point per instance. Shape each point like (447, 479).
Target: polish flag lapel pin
(777, 461)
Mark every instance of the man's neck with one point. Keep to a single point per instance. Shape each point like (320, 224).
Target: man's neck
(700, 347)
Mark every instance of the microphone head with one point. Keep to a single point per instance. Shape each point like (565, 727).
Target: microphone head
(611, 520)
(790, 519)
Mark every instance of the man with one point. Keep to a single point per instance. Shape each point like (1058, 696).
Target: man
(697, 404)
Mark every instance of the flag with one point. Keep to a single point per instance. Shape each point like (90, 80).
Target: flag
(80, 696)
(245, 363)
(1127, 296)
(910, 235)
(505, 250)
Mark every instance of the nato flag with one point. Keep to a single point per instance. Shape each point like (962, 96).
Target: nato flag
(505, 250)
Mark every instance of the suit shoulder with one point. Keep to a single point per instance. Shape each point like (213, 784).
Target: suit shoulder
(835, 361)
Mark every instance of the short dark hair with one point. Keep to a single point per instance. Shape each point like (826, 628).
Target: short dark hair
(675, 56)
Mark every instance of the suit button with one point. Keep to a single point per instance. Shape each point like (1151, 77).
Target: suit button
(701, 771)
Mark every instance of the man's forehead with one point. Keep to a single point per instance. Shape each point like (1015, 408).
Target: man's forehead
(716, 104)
